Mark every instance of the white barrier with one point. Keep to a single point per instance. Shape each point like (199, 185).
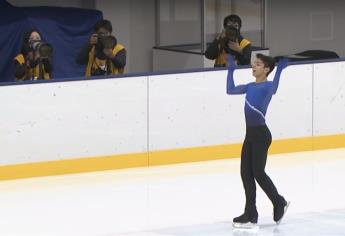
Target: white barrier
(290, 112)
(329, 98)
(193, 109)
(67, 120)
(56, 121)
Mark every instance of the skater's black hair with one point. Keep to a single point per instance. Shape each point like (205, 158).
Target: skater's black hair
(268, 62)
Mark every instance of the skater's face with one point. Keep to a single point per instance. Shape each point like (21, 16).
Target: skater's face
(259, 69)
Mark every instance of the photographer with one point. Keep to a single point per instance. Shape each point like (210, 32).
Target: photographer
(35, 60)
(102, 55)
(230, 41)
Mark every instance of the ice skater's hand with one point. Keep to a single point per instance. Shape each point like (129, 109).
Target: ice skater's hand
(231, 62)
(283, 63)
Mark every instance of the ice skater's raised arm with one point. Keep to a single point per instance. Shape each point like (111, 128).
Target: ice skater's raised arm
(230, 84)
(282, 64)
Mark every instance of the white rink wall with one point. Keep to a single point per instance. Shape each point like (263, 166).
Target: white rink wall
(91, 118)
(329, 98)
(56, 121)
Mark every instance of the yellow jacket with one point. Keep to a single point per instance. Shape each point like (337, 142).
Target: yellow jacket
(94, 63)
(31, 73)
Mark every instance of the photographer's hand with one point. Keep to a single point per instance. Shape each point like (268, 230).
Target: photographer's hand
(48, 67)
(37, 55)
(93, 39)
(29, 58)
(221, 35)
(108, 52)
(235, 46)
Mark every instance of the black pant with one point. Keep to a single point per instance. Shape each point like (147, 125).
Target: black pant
(253, 162)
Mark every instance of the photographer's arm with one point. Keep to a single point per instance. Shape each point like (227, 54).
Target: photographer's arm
(213, 50)
(244, 57)
(83, 56)
(19, 70)
(119, 60)
(48, 67)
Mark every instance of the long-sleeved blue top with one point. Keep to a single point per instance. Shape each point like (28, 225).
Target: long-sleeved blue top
(258, 95)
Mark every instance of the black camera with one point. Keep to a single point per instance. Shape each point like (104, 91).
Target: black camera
(231, 35)
(44, 49)
(105, 41)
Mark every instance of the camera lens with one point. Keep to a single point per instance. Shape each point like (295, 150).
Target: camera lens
(46, 50)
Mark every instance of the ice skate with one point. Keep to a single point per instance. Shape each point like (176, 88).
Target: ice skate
(279, 212)
(246, 221)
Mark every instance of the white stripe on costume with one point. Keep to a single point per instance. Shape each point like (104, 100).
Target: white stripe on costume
(257, 110)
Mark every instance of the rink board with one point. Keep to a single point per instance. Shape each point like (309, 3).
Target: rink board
(92, 125)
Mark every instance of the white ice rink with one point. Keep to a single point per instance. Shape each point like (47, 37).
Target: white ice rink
(197, 199)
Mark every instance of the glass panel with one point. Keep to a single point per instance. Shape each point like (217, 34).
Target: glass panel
(179, 22)
(250, 11)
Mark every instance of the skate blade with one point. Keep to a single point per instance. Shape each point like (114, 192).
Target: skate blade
(285, 210)
(245, 226)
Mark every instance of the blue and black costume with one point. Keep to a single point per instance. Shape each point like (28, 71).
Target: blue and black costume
(257, 140)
